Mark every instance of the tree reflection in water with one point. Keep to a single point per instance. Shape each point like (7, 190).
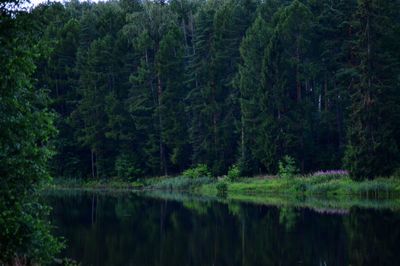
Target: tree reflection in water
(133, 230)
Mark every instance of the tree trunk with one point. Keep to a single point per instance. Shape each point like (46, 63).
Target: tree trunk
(214, 118)
(298, 83)
(93, 164)
(163, 166)
(326, 94)
(242, 138)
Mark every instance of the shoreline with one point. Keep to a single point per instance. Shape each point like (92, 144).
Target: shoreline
(322, 192)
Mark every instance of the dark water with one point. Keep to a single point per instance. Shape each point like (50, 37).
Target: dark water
(127, 229)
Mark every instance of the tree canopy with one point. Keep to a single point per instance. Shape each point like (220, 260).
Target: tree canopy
(151, 88)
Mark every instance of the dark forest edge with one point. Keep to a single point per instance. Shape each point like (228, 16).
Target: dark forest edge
(150, 88)
(332, 191)
(335, 186)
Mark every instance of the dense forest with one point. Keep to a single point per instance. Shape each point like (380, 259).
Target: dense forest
(149, 88)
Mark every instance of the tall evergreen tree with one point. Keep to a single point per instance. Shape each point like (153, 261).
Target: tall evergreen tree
(249, 82)
(372, 148)
(170, 69)
(148, 28)
(285, 82)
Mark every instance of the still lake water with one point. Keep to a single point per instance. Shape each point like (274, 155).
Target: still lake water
(127, 229)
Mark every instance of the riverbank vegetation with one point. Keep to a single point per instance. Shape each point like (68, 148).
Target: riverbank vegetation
(322, 193)
(325, 185)
(198, 180)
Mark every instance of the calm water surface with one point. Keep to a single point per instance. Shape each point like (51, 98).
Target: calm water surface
(127, 229)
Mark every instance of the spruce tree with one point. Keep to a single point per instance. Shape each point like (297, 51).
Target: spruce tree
(372, 149)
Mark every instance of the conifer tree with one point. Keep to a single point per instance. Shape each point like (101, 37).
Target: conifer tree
(372, 150)
(170, 69)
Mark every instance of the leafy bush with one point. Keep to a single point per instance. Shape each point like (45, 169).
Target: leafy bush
(287, 167)
(125, 169)
(26, 234)
(222, 189)
(234, 173)
(201, 170)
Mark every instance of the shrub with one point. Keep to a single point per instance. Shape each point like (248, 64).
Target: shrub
(201, 170)
(287, 167)
(222, 189)
(125, 169)
(234, 173)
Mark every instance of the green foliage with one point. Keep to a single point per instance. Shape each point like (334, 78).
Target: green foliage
(373, 148)
(125, 168)
(287, 167)
(26, 129)
(201, 170)
(162, 86)
(303, 186)
(151, 88)
(26, 235)
(222, 189)
(234, 173)
(89, 184)
(69, 262)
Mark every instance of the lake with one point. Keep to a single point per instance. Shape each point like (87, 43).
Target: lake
(130, 229)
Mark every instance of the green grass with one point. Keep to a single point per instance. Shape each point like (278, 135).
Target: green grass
(324, 192)
(326, 186)
(91, 184)
(180, 183)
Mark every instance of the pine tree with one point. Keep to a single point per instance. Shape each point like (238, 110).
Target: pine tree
(170, 68)
(148, 29)
(333, 33)
(214, 111)
(97, 66)
(285, 84)
(372, 150)
(249, 82)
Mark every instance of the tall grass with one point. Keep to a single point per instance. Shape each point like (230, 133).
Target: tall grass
(327, 185)
(181, 183)
(314, 185)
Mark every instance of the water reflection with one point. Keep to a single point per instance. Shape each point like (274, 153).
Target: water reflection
(131, 230)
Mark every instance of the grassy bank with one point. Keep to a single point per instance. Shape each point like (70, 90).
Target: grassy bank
(322, 193)
(178, 184)
(317, 186)
(324, 185)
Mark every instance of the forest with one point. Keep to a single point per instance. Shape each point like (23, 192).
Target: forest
(151, 88)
